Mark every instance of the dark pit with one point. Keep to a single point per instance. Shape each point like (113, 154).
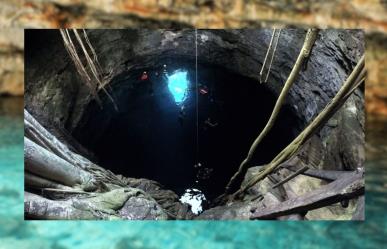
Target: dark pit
(182, 134)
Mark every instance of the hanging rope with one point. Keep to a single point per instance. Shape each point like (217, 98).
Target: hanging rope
(270, 51)
(91, 73)
(304, 54)
(197, 96)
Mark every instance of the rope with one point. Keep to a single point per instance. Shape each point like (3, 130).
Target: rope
(271, 52)
(267, 54)
(197, 96)
(272, 57)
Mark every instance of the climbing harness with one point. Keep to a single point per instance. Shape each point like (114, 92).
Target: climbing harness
(264, 74)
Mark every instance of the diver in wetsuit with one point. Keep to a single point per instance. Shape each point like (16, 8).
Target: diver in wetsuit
(209, 124)
(182, 115)
(146, 80)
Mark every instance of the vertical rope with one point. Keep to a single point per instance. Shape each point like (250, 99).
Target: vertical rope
(270, 51)
(197, 96)
(272, 56)
(265, 60)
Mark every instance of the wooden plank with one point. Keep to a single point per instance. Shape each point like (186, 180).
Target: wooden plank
(347, 187)
(328, 175)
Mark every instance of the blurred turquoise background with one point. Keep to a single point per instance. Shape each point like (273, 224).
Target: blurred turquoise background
(18, 234)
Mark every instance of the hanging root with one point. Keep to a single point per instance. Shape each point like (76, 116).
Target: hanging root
(310, 38)
(353, 81)
(91, 73)
(270, 51)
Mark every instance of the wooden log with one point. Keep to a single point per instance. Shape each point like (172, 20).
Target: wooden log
(46, 164)
(290, 177)
(327, 175)
(346, 188)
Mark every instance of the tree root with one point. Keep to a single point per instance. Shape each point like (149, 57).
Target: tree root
(45, 164)
(350, 85)
(310, 38)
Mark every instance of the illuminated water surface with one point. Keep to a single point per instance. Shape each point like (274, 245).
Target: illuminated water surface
(178, 85)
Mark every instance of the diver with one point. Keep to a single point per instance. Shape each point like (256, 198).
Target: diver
(165, 72)
(182, 115)
(209, 124)
(203, 90)
(144, 76)
(198, 165)
(204, 173)
(146, 80)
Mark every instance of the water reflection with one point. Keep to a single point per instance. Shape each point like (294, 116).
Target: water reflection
(195, 198)
(178, 85)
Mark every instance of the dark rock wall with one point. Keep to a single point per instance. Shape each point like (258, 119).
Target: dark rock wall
(56, 96)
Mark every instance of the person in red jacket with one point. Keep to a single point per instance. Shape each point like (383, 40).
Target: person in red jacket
(144, 76)
(145, 79)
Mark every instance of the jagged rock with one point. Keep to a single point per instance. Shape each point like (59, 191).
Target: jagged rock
(237, 210)
(136, 208)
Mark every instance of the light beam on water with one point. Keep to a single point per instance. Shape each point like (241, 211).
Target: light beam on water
(178, 85)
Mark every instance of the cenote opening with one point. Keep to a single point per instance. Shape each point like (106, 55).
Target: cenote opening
(189, 136)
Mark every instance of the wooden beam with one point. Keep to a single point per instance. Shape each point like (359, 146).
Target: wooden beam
(346, 188)
(328, 175)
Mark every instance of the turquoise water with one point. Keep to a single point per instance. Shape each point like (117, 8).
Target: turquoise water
(16, 233)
